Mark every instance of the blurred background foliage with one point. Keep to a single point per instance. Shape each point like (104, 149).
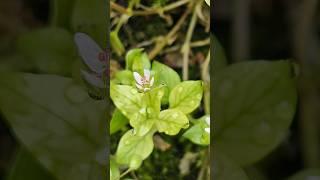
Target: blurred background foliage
(260, 29)
(273, 30)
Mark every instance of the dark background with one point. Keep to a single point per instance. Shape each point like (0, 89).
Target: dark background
(274, 30)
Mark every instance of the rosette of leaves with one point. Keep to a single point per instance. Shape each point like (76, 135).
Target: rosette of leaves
(143, 110)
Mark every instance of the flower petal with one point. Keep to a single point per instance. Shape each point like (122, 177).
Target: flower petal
(90, 51)
(146, 74)
(93, 79)
(138, 78)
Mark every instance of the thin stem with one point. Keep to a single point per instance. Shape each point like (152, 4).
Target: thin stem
(186, 46)
(204, 166)
(149, 11)
(125, 173)
(118, 8)
(200, 43)
(163, 41)
(205, 77)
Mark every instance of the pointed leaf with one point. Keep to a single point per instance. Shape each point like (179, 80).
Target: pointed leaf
(164, 75)
(171, 121)
(133, 149)
(56, 121)
(254, 104)
(186, 96)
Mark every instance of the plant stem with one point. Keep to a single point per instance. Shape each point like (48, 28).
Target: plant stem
(186, 46)
(206, 79)
(161, 41)
(204, 166)
(150, 11)
(125, 173)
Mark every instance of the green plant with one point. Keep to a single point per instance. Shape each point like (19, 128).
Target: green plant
(139, 93)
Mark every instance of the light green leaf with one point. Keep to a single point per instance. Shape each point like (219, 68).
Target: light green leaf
(306, 174)
(49, 50)
(131, 103)
(133, 149)
(114, 170)
(90, 17)
(137, 60)
(118, 121)
(167, 76)
(171, 121)
(186, 96)
(226, 169)
(254, 104)
(28, 168)
(152, 100)
(197, 133)
(124, 77)
(56, 121)
(127, 99)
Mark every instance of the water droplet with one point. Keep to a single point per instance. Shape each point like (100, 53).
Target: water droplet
(142, 111)
(262, 133)
(127, 142)
(150, 110)
(283, 110)
(75, 94)
(133, 91)
(175, 115)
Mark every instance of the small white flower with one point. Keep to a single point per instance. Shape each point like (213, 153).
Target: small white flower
(94, 57)
(208, 122)
(145, 82)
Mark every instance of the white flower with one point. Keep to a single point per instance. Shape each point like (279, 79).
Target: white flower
(207, 119)
(94, 57)
(145, 82)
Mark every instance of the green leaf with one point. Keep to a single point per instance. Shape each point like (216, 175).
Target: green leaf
(226, 169)
(28, 168)
(90, 17)
(167, 76)
(50, 115)
(152, 100)
(254, 104)
(131, 103)
(114, 170)
(49, 50)
(124, 77)
(133, 149)
(306, 174)
(127, 99)
(137, 60)
(197, 133)
(118, 121)
(186, 96)
(171, 121)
